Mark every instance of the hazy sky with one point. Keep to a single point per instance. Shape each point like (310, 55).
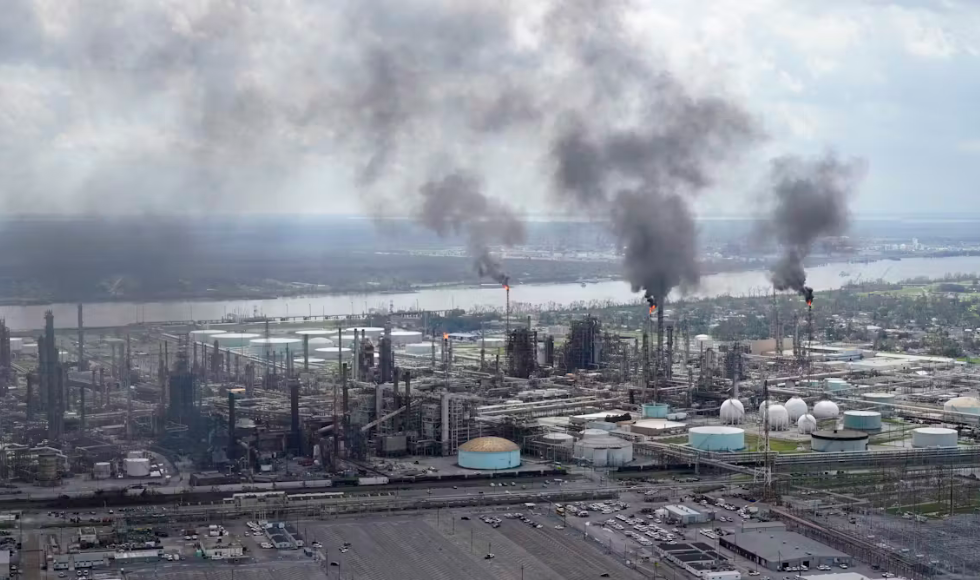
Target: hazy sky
(152, 105)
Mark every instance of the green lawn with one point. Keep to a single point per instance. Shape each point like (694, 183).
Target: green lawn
(755, 443)
(679, 440)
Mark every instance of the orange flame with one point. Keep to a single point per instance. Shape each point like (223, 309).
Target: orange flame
(809, 302)
(445, 336)
(652, 308)
(506, 287)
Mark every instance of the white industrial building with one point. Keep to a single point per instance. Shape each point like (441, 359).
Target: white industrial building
(685, 515)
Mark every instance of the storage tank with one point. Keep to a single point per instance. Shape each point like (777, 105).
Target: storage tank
(311, 332)
(778, 417)
(492, 342)
(655, 411)
(102, 470)
(862, 420)
(137, 467)
(234, 340)
(825, 410)
(702, 341)
(317, 342)
(16, 344)
(421, 348)
(806, 424)
(879, 397)
(47, 470)
(489, 453)
(400, 337)
(796, 407)
(369, 331)
(275, 344)
(934, 437)
(205, 334)
(966, 405)
(603, 450)
(835, 440)
(676, 416)
(732, 412)
(135, 454)
(588, 433)
(835, 384)
(331, 353)
(563, 439)
(716, 438)
(314, 360)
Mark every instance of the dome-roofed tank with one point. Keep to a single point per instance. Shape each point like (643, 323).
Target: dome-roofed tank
(826, 410)
(763, 405)
(732, 412)
(966, 405)
(796, 407)
(489, 453)
(806, 423)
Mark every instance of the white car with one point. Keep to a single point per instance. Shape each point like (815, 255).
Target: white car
(753, 573)
(266, 545)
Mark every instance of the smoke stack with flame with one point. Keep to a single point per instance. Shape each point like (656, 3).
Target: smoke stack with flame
(810, 198)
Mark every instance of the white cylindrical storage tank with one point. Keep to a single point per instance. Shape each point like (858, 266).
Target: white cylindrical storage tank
(879, 397)
(778, 417)
(806, 424)
(732, 412)
(492, 342)
(965, 405)
(135, 454)
(237, 341)
(275, 344)
(563, 439)
(318, 342)
(102, 470)
(205, 334)
(489, 453)
(862, 420)
(16, 344)
(588, 433)
(716, 438)
(835, 384)
(832, 441)
(603, 450)
(825, 410)
(137, 467)
(421, 348)
(314, 360)
(400, 337)
(330, 354)
(371, 332)
(796, 407)
(934, 437)
(311, 332)
(702, 341)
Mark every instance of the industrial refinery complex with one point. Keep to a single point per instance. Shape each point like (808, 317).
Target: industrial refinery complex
(288, 419)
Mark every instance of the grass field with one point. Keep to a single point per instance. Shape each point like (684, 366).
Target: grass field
(755, 443)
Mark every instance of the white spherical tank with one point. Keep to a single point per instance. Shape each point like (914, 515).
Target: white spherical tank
(806, 424)
(934, 437)
(778, 417)
(965, 405)
(235, 340)
(420, 348)
(732, 412)
(796, 407)
(763, 405)
(862, 420)
(826, 410)
(716, 438)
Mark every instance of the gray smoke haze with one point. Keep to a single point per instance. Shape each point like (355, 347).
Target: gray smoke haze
(809, 200)
(455, 205)
(638, 147)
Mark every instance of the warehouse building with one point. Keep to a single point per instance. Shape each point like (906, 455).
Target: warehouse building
(684, 514)
(776, 549)
(222, 549)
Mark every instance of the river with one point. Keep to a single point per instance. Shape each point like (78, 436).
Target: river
(826, 277)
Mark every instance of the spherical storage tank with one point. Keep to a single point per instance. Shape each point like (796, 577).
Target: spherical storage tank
(777, 415)
(862, 420)
(234, 340)
(934, 437)
(716, 438)
(489, 453)
(825, 410)
(732, 412)
(603, 450)
(966, 405)
(806, 424)
(796, 407)
(830, 441)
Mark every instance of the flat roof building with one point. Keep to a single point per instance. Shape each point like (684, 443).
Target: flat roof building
(779, 549)
(685, 515)
(222, 548)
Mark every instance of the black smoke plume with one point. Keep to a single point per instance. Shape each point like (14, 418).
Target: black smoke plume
(810, 200)
(455, 205)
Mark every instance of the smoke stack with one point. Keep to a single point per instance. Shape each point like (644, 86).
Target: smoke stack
(408, 397)
(82, 363)
(81, 405)
(30, 396)
(306, 353)
(232, 450)
(295, 432)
